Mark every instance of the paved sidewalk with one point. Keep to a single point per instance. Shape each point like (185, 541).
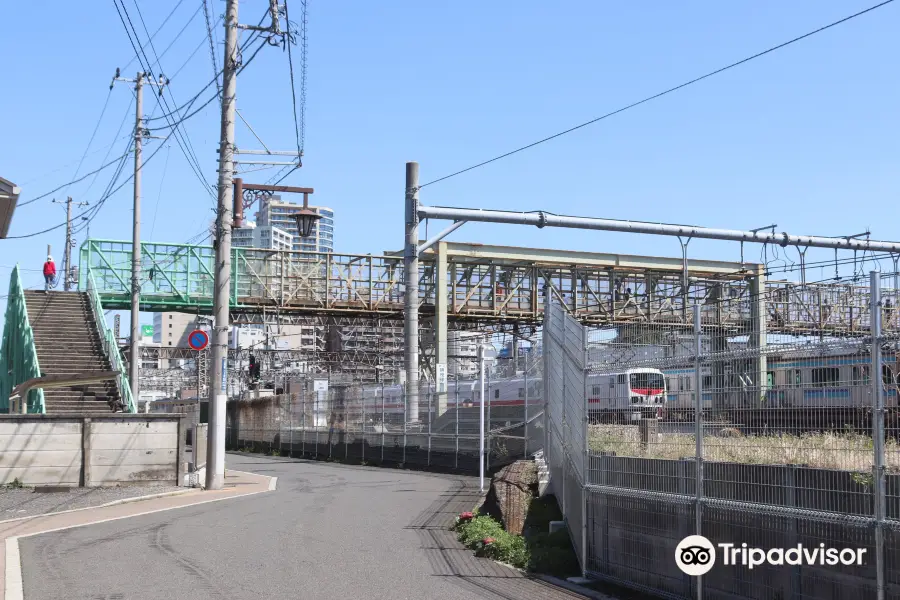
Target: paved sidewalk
(26, 502)
(237, 484)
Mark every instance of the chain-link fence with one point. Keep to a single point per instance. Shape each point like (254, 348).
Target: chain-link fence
(767, 439)
(368, 424)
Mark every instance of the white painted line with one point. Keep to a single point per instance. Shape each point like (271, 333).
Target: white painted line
(113, 503)
(273, 481)
(14, 589)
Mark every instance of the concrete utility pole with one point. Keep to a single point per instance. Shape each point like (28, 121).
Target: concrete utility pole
(218, 390)
(411, 296)
(134, 362)
(67, 251)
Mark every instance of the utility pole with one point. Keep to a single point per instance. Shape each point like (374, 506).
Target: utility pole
(67, 251)
(218, 390)
(218, 383)
(134, 363)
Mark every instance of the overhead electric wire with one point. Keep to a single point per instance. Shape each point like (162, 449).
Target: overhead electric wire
(158, 29)
(181, 137)
(660, 94)
(145, 66)
(82, 178)
(212, 47)
(293, 90)
(93, 134)
(118, 133)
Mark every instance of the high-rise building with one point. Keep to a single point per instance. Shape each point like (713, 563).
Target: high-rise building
(268, 237)
(275, 213)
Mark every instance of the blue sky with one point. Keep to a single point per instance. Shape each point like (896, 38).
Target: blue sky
(805, 137)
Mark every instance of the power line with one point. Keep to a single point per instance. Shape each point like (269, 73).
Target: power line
(181, 136)
(93, 134)
(142, 57)
(159, 194)
(212, 47)
(82, 178)
(660, 94)
(291, 70)
(158, 29)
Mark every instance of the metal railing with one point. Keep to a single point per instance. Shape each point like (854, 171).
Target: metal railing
(18, 359)
(758, 439)
(109, 345)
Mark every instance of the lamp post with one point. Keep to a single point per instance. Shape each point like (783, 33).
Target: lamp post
(306, 218)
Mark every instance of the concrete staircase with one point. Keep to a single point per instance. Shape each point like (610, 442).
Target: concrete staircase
(68, 342)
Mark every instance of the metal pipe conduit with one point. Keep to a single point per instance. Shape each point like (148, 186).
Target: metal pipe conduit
(544, 219)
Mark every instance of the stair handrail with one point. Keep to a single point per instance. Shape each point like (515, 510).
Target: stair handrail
(109, 344)
(19, 357)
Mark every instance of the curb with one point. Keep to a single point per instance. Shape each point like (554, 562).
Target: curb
(113, 503)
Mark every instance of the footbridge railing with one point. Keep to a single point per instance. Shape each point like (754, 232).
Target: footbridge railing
(18, 355)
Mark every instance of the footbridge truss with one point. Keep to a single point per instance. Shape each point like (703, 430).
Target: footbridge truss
(474, 285)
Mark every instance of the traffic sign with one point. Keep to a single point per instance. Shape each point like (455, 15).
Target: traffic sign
(198, 340)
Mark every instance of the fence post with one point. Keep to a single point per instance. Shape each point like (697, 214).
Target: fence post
(303, 421)
(456, 393)
(546, 375)
(291, 424)
(525, 452)
(383, 425)
(430, 416)
(584, 452)
(877, 428)
(698, 434)
(362, 442)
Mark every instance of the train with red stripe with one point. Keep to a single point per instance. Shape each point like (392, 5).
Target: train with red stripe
(625, 396)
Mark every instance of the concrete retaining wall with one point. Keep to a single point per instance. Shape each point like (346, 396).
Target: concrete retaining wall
(45, 450)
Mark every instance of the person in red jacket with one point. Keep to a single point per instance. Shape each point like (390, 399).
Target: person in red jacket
(49, 273)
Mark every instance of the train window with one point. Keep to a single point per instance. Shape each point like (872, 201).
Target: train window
(887, 376)
(595, 390)
(685, 384)
(770, 378)
(825, 376)
(796, 377)
(496, 393)
(707, 382)
(612, 382)
(521, 392)
(621, 379)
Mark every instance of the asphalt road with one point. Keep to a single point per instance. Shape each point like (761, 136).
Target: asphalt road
(328, 531)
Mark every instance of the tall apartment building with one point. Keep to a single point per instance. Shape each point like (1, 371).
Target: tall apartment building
(275, 213)
(267, 236)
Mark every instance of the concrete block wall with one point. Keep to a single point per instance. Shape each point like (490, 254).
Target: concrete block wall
(55, 450)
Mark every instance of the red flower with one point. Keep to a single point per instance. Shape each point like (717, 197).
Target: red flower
(466, 516)
(487, 541)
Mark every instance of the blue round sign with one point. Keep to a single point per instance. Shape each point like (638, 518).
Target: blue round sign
(198, 340)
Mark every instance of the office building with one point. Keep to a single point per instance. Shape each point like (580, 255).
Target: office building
(275, 213)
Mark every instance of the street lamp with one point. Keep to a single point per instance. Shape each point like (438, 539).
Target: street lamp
(306, 218)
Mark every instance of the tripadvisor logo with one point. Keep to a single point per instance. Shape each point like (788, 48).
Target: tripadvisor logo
(695, 555)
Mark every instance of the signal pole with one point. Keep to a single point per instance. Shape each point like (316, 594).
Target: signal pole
(134, 363)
